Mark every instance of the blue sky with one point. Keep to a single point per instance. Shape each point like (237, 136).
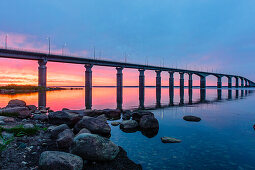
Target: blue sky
(198, 34)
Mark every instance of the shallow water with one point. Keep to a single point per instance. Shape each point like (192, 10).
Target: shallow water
(224, 139)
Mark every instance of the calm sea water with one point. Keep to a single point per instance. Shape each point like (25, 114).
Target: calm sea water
(223, 139)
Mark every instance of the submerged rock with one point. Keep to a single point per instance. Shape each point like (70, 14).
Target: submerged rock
(170, 140)
(93, 147)
(60, 160)
(192, 118)
(65, 138)
(16, 103)
(115, 123)
(94, 125)
(129, 124)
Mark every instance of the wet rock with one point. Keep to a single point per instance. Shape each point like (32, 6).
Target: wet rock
(43, 111)
(16, 103)
(32, 108)
(170, 140)
(62, 117)
(37, 112)
(254, 126)
(112, 113)
(137, 115)
(192, 118)
(115, 123)
(7, 119)
(129, 124)
(148, 122)
(41, 117)
(84, 130)
(28, 126)
(65, 138)
(93, 147)
(126, 115)
(60, 160)
(102, 117)
(95, 125)
(58, 129)
(21, 112)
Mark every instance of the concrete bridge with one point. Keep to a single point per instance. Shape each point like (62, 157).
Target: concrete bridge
(88, 63)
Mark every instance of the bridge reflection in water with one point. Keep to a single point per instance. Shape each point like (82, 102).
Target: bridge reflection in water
(239, 94)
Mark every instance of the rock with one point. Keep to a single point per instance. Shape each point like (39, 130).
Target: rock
(115, 123)
(53, 160)
(129, 124)
(149, 133)
(7, 119)
(137, 115)
(170, 140)
(102, 117)
(32, 108)
(62, 117)
(254, 126)
(16, 103)
(21, 112)
(94, 125)
(58, 129)
(7, 135)
(65, 138)
(2, 122)
(148, 122)
(28, 126)
(50, 111)
(112, 113)
(192, 118)
(84, 130)
(93, 147)
(43, 111)
(41, 117)
(37, 112)
(126, 115)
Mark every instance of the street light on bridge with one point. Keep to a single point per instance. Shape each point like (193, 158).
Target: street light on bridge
(48, 38)
(6, 39)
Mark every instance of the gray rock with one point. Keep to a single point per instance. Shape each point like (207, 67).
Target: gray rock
(54, 160)
(43, 111)
(137, 115)
(112, 113)
(21, 112)
(16, 103)
(7, 135)
(28, 126)
(2, 122)
(170, 140)
(37, 112)
(148, 122)
(129, 124)
(115, 123)
(58, 129)
(32, 108)
(126, 115)
(192, 118)
(93, 147)
(94, 125)
(84, 130)
(41, 117)
(61, 117)
(7, 119)
(65, 138)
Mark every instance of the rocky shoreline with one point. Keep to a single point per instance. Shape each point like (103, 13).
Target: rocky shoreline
(40, 138)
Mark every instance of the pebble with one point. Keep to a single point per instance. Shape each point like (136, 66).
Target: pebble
(170, 140)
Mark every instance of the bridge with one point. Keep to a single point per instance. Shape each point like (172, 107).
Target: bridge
(88, 63)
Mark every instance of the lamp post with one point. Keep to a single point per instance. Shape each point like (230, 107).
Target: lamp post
(63, 48)
(49, 43)
(6, 39)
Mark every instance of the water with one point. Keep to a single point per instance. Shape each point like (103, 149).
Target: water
(224, 139)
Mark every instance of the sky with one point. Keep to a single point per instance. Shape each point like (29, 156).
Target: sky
(205, 35)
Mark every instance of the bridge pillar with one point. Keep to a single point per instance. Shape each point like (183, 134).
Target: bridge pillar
(42, 73)
(181, 80)
(219, 82)
(202, 82)
(181, 88)
(158, 87)
(141, 88)
(229, 82)
(229, 94)
(119, 86)
(246, 83)
(219, 93)
(171, 82)
(242, 82)
(190, 80)
(88, 86)
(42, 98)
(237, 82)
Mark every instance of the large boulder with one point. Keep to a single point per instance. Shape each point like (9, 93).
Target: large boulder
(84, 130)
(148, 122)
(94, 125)
(112, 113)
(93, 147)
(21, 112)
(126, 115)
(58, 129)
(129, 124)
(137, 115)
(192, 118)
(41, 117)
(61, 117)
(65, 139)
(53, 160)
(16, 103)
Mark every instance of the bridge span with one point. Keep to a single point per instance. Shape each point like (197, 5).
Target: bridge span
(88, 63)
